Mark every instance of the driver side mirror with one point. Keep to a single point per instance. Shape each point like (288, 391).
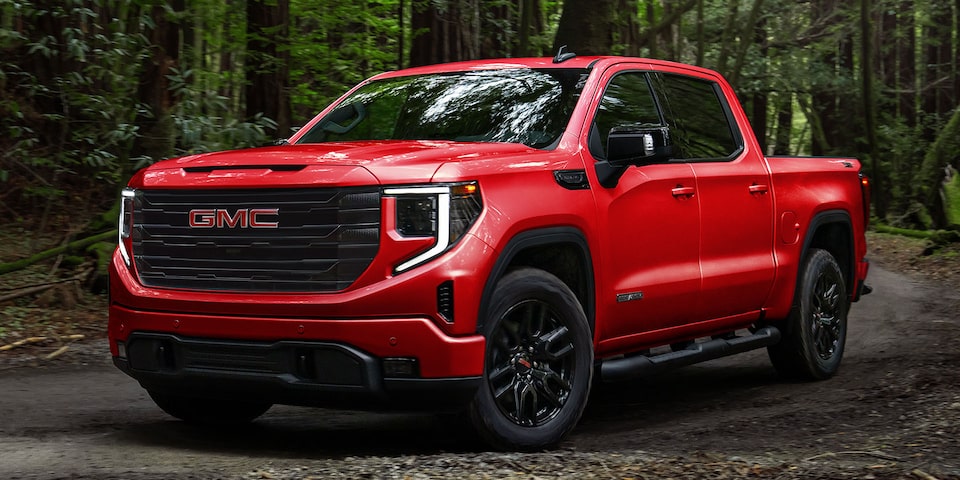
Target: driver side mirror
(631, 145)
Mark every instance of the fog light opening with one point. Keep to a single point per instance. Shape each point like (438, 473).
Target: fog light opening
(400, 368)
(121, 350)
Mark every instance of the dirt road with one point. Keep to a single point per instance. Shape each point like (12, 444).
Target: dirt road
(891, 412)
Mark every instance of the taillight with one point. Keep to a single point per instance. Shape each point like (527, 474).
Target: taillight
(865, 193)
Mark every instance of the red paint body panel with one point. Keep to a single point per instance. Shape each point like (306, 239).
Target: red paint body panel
(711, 246)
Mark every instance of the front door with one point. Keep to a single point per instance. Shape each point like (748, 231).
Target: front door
(649, 258)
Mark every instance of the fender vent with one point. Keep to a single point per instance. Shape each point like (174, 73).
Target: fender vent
(445, 300)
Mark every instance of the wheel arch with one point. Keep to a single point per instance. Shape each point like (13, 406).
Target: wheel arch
(561, 251)
(832, 230)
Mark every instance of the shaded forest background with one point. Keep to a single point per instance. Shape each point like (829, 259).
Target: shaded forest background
(91, 90)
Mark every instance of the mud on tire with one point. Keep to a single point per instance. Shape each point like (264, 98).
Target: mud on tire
(538, 363)
(815, 332)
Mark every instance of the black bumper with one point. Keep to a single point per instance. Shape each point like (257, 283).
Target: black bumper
(285, 372)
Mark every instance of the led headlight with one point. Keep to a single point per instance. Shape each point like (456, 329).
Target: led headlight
(125, 225)
(444, 212)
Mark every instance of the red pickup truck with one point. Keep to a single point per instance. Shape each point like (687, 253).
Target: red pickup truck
(486, 237)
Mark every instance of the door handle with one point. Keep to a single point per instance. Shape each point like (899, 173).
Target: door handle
(760, 189)
(681, 191)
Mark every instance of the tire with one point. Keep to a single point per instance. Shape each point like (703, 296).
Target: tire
(538, 365)
(815, 332)
(205, 411)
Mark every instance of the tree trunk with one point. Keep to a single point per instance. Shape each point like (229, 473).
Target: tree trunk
(748, 31)
(880, 191)
(449, 32)
(701, 43)
(727, 38)
(760, 100)
(586, 27)
(157, 132)
(784, 123)
(267, 62)
(937, 91)
(629, 28)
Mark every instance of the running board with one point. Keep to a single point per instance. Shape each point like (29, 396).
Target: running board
(641, 365)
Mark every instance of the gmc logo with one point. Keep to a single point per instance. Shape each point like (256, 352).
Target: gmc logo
(241, 218)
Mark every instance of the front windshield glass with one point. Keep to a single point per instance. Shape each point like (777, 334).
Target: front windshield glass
(515, 105)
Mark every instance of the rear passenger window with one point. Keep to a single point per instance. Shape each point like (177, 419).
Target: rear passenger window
(698, 118)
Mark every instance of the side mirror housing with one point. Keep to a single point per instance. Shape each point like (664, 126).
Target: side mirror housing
(638, 146)
(633, 145)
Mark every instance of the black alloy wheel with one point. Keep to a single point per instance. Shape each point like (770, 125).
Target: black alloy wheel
(815, 333)
(531, 363)
(538, 366)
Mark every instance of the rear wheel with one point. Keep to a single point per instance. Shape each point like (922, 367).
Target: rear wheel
(205, 411)
(538, 363)
(815, 332)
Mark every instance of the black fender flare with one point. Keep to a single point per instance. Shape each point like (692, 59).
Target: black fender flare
(828, 217)
(542, 237)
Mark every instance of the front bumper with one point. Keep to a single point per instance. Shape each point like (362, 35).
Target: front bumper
(309, 373)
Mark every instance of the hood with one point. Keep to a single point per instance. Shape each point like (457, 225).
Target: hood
(335, 164)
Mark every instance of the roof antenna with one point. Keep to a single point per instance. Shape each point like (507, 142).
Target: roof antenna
(563, 57)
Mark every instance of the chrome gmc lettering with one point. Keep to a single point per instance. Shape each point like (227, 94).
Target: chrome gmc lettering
(242, 218)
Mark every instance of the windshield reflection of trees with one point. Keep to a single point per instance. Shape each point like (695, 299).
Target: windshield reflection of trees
(515, 106)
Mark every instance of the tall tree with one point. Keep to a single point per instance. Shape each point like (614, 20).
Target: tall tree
(267, 62)
(586, 27)
(869, 137)
(157, 137)
(444, 31)
(937, 93)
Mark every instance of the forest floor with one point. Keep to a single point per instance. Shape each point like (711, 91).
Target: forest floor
(892, 412)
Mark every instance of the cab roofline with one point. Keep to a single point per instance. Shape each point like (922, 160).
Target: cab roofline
(584, 62)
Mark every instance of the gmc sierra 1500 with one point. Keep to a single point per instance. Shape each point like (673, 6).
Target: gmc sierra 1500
(485, 237)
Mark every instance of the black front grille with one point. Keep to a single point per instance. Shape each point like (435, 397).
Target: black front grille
(309, 240)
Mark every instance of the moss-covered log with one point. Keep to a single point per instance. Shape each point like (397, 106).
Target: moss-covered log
(944, 150)
(74, 246)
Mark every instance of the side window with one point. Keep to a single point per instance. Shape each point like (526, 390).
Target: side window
(627, 101)
(699, 123)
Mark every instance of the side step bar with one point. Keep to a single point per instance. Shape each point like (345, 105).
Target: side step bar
(641, 365)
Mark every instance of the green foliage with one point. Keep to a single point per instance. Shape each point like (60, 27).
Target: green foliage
(952, 192)
(71, 118)
(338, 43)
(70, 112)
(217, 130)
(906, 232)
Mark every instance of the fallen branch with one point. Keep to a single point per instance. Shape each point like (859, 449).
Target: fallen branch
(74, 245)
(37, 288)
(57, 353)
(27, 291)
(29, 340)
(923, 475)
(880, 455)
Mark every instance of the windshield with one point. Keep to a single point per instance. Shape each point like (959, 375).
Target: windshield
(515, 105)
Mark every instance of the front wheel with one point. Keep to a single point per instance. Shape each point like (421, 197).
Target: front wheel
(538, 363)
(815, 332)
(205, 411)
